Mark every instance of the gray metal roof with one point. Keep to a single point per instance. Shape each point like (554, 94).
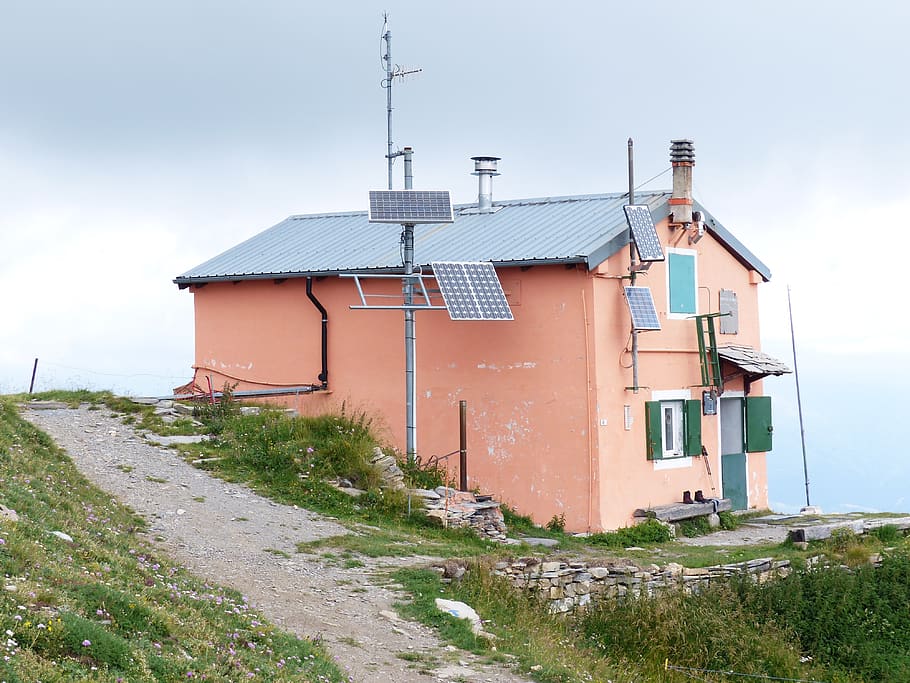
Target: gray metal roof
(751, 361)
(579, 229)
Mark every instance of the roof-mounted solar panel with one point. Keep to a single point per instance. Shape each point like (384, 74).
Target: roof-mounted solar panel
(409, 207)
(471, 291)
(644, 234)
(641, 306)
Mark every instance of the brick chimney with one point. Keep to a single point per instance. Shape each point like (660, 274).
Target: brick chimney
(682, 159)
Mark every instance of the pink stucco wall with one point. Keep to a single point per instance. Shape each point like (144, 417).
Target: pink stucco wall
(545, 392)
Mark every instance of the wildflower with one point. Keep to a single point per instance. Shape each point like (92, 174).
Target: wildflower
(86, 643)
(2, 541)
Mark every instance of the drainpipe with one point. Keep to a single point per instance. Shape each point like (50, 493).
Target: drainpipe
(324, 375)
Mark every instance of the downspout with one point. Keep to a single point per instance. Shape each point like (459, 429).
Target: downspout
(324, 375)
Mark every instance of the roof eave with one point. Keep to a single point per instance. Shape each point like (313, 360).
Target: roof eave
(184, 282)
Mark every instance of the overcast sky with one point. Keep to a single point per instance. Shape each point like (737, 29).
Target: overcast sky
(139, 140)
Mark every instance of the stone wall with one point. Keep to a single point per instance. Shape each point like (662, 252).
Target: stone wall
(567, 586)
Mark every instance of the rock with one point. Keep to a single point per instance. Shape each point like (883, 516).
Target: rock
(460, 610)
(714, 520)
(183, 408)
(801, 545)
(545, 542)
(45, 405)
(250, 410)
(145, 401)
(62, 536)
(426, 493)
(180, 439)
(8, 514)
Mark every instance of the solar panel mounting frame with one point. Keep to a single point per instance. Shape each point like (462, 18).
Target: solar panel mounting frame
(644, 233)
(641, 308)
(410, 207)
(471, 290)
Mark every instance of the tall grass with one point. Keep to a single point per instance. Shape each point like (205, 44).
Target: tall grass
(856, 621)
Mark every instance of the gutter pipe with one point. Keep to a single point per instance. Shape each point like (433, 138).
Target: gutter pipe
(324, 375)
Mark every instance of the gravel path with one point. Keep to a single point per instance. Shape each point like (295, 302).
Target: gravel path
(230, 535)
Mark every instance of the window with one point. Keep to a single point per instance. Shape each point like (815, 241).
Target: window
(673, 428)
(681, 282)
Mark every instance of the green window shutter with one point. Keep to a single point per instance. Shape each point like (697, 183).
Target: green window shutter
(654, 447)
(682, 283)
(693, 427)
(758, 424)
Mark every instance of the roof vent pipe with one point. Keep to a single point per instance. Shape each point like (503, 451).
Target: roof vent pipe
(682, 159)
(485, 169)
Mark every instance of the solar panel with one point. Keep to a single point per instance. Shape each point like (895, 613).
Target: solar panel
(641, 306)
(644, 233)
(471, 291)
(410, 206)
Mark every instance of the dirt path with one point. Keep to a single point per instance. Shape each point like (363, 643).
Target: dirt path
(230, 535)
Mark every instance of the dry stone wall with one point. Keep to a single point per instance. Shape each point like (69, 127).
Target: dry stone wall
(571, 585)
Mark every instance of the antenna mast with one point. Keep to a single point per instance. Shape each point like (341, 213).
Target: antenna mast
(392, 71)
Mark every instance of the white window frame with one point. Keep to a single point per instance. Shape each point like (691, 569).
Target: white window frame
(671, 461)
(683, 252)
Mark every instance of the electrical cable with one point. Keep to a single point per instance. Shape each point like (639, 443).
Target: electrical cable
(250, 381)
(665, 171)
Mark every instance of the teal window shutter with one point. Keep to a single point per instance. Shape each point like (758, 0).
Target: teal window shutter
(681, 268)
(654, 441)
(758, 424)
(693, 427)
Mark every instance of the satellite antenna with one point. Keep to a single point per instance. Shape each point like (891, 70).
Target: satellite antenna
(392, 71)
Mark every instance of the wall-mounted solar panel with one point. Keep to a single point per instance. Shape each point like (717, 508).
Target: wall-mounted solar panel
(409, 207)
(641, 306)
(644, 234)
(471, 291)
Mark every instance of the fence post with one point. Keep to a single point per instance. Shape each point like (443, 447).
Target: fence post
(463, 444)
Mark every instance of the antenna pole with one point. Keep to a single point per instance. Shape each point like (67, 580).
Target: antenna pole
(392, 72)
(799, 403)
(389, 75)
(632, 264)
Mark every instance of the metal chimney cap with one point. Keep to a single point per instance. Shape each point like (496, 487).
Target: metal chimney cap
(682, 151)
(486, 165)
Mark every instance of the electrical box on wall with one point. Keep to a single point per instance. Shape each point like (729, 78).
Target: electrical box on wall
(709, 402)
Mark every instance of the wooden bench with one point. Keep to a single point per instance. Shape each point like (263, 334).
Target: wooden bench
(676, 512)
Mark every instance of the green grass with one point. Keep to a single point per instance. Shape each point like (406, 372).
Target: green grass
(823, 624)
(107, 606)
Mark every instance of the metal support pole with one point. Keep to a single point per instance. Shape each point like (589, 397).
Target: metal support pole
(410, 344)
(463, 445)
(799, 403)
(632, 265)
(31, 385)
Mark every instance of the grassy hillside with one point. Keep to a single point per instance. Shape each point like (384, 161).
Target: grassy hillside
(832, 624)
(105, 606)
